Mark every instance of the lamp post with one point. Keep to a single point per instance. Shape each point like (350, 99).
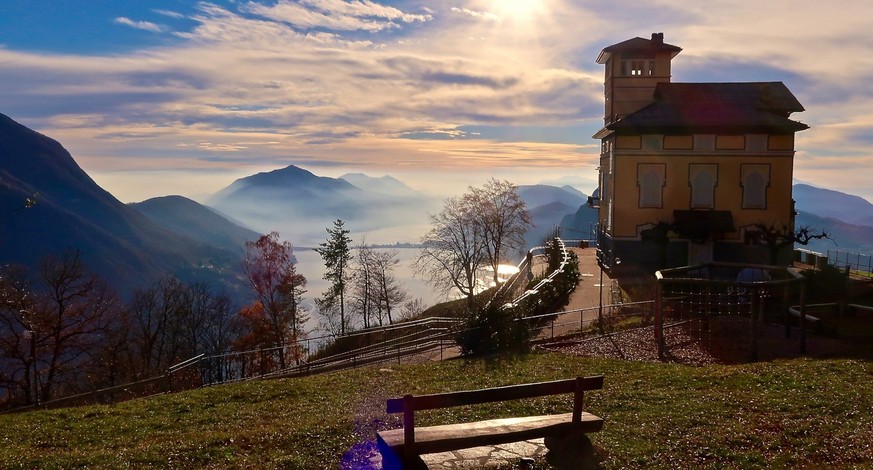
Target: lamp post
(33, 364)
(600, 261)
(32, 383)
(600, 294)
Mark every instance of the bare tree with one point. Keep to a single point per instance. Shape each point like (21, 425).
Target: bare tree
(155, 324)
(72, 316)
(218, 329)
(56, 333)
(475, 230)
(17, 339)
(777, 239)
(503, 219)
(412, 309)
(454, 249)
(376, 293)
(363, 295)
(389, 293)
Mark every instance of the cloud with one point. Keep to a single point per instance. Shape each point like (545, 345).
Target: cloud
(143, 25)
(476, 14)
(338, 15)
(382, 86)
(169, 13)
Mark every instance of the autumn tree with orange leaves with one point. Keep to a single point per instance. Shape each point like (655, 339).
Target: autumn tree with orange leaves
(276, 317)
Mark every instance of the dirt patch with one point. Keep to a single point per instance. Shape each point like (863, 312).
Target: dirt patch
(723, 341)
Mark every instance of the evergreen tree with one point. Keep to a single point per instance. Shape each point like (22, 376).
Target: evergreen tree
(336, 253)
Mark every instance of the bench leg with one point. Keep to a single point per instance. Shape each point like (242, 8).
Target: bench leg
(392, 460)
(573, 450)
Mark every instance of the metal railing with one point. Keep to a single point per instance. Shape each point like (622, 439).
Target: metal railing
(565, 258)
(181, 376)
(398, 342)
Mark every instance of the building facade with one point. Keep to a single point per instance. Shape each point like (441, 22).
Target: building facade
(690, 172)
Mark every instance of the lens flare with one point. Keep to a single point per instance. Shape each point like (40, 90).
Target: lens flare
(517, 9)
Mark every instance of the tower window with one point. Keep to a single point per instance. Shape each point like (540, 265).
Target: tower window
(637, 68)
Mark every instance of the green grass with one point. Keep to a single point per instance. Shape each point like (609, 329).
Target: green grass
(796, 413)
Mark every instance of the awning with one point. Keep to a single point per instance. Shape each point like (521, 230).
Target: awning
(701, 224)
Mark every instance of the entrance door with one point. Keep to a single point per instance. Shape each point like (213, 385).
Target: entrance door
(699, 253)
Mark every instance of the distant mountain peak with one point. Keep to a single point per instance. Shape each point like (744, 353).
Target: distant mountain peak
(290, 174)
(383, 184)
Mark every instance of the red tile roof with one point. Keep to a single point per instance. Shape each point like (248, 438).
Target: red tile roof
(685, 107)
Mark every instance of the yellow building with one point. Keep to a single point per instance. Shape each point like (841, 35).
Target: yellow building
(688, 171)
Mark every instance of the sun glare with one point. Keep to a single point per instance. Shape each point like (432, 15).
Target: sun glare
(517, 9)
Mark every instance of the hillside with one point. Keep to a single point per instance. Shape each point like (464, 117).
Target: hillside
(833, 204)
(539, 195)
(581, 224)
(778, 414)
(191, 219)
(844, 236)
(547, 205)
(73, 212)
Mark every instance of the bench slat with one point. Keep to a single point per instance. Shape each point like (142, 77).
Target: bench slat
(511, 392)
(447, 437)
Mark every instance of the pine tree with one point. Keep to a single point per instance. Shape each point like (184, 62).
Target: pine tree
(336, 253)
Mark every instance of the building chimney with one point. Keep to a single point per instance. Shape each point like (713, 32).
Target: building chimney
(658, 38)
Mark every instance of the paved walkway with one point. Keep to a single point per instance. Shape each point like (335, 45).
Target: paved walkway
(584, 297)
(486, 456)
(584, 300)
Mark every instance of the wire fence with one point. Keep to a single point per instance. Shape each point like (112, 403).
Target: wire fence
(858, 262)
(750, 294)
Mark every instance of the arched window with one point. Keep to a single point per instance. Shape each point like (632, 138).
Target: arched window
(703, 178)
(755, 180)
(651, 178)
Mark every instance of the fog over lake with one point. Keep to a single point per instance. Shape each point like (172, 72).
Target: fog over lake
(311, 265)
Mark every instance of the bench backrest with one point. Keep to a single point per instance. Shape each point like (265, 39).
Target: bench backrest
(488, 395)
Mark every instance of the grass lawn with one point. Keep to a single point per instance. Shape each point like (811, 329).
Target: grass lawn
(793, 413)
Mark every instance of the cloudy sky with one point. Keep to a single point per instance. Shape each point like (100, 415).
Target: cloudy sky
(180, 97)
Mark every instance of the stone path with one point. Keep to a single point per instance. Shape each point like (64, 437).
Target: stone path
(486, 456)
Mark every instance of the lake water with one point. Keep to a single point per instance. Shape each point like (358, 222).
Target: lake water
(310, 264)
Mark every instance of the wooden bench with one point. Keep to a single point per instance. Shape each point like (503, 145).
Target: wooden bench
(400, 448)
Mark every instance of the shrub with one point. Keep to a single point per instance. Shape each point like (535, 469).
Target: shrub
(495, 326)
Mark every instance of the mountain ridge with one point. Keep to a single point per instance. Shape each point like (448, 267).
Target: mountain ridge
(73, 212)
(833, 204)
(187, 217)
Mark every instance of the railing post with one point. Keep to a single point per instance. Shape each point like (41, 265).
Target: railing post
(802, 318)
(756, 308)
(581, 319)
(659, 318)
